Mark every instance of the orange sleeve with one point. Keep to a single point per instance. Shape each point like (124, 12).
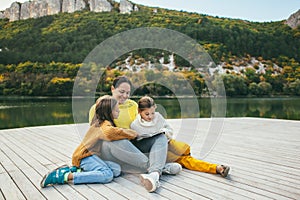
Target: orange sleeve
(114, 133)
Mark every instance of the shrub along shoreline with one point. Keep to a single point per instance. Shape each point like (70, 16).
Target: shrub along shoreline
(57, 79)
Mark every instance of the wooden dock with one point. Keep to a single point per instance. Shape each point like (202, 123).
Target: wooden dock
(264, 155)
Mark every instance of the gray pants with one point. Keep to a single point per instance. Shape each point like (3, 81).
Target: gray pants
(133, 156)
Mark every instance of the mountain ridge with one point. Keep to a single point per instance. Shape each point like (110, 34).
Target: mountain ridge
(40, 8)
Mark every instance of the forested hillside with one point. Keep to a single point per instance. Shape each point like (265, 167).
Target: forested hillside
(67, 38)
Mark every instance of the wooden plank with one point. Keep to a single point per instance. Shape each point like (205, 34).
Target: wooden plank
(176, 188)
(266, 182)
(26, 152)
(47, 148)
(124, 191)
(54, 143)
(263, 155)
(180, 185)
(268, 185)
(260, 165)
(20, 179)
(219, 187)
(268, 172)
(25, 176)
(106, 192)
(31, 167)
(261, 149)
(232, 186)
(56, 134)
(2, 197)
(86, 191)
(136, 187)
(166, 191)
(37, 179)
(9, 189)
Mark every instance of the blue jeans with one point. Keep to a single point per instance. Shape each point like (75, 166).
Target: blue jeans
(95, 170)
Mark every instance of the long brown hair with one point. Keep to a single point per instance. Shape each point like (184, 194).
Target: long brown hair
(104, 107)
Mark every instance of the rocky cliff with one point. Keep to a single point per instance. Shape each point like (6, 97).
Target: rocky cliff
(294, 20)
(39, 8)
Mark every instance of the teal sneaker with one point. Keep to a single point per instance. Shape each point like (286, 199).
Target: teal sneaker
(55, 177)
(75, 169)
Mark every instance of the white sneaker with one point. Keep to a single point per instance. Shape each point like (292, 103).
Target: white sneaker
(150, 181)
(172, 168)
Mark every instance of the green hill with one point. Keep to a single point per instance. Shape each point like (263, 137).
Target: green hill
(70, 37)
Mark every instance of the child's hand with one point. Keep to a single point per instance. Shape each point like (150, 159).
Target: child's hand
(134, 134)
(167, 132)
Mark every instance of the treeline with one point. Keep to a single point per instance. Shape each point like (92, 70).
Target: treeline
(69, 37)
(38, 79)
(57, 79)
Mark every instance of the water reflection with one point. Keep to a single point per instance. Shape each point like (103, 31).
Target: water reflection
(280, 108)
(33, 112)
(23, 112)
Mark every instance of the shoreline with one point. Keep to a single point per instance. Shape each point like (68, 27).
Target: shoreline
(154, 96)
(171, 120)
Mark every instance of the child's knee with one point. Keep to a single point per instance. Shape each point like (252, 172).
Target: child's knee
(179, 148)
(116, 171)
(116, 168)
(108, 176)
(187, 150)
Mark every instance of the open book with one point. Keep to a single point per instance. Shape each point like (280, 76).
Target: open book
(147, 135)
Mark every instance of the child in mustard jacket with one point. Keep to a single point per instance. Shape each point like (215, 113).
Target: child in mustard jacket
(149, 123)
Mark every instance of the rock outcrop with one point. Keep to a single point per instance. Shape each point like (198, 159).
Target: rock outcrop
(125, 7)
(100, 6)
(33, 9)
(68, 6)
(294, 20)
(14, 11)
(39, 8)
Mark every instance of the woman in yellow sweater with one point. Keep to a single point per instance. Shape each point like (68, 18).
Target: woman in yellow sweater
(87, 165)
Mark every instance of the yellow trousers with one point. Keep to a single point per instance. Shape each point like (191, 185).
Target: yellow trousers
(180, 152)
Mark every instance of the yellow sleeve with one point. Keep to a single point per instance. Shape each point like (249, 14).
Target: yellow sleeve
(128, 112)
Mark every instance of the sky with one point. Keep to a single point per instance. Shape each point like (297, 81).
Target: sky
(251, 10)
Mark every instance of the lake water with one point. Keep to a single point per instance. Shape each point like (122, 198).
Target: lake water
(32, 111)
